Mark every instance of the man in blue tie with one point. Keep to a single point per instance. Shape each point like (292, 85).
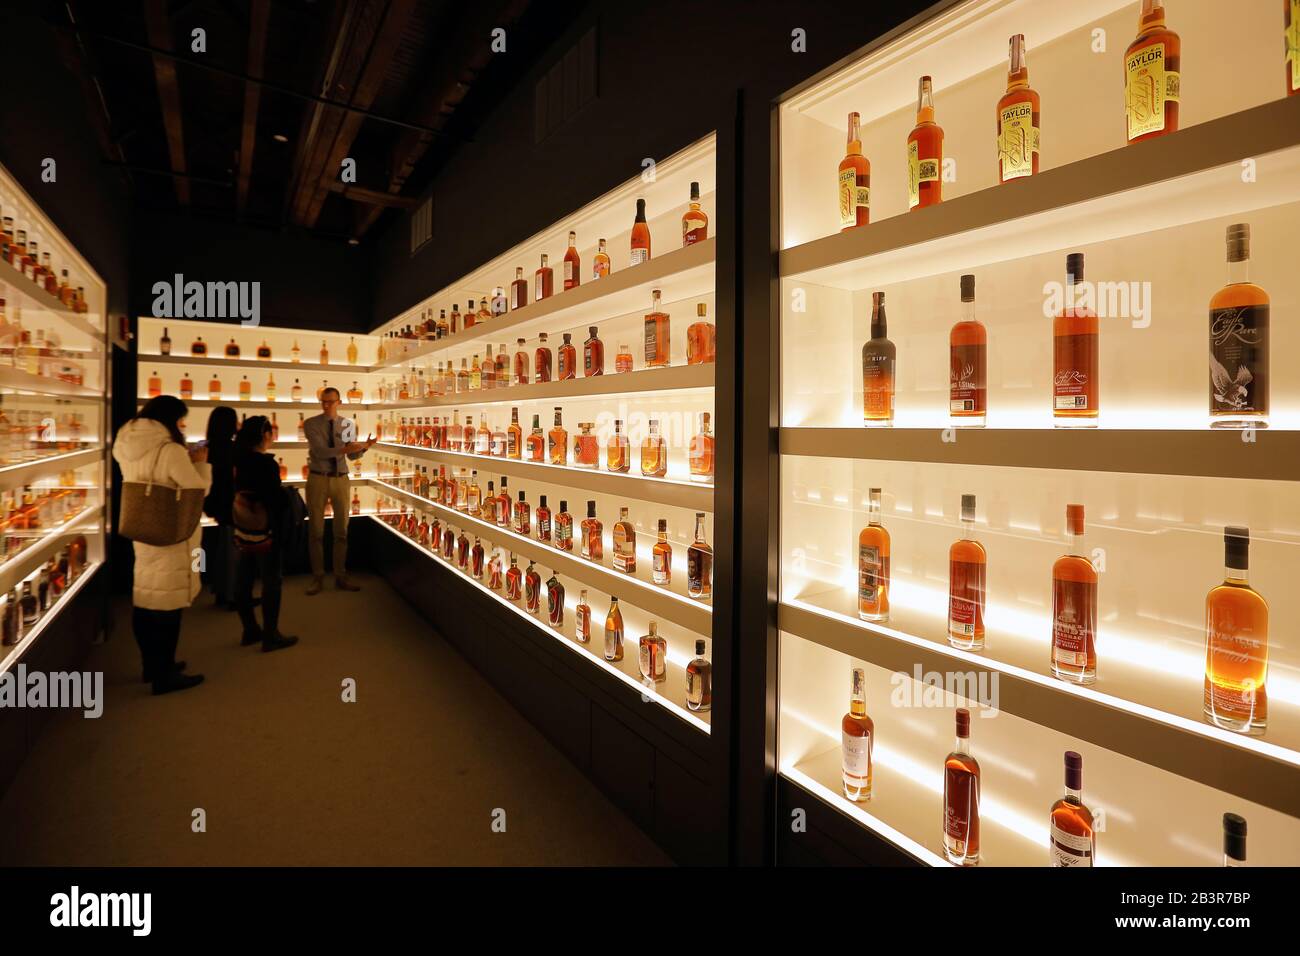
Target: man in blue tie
(331, 442)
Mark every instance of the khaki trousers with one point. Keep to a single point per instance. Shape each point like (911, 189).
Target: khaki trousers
(335, 489)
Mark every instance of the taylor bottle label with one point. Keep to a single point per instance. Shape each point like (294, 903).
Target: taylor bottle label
(1018, 141)
(1239, 359)
(1069, 849)
(919, 171)
(1074, 621)
(1148, 85)
(852, 197)
(639, 256)
(966, 390)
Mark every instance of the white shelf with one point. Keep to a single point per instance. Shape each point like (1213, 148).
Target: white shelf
(144, 359)
(20, 381)
(15, 476)
(17, 568)
(9, 656)
(35, 298)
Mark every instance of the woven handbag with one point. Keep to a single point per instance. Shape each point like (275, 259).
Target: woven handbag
(157, 513)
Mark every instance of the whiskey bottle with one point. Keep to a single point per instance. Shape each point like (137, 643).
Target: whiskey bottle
(484, 313)
(284, 470)
(564, 528)
(165, 343)
(658, 347)
(624, 534)
(543, 281)
(1234, 840)
(271, 390)
(514, 580)
(695, 222)
(925, 152)
(11, 620)
(155, 385)
(1151, 76)
(623, 359)
(878, 369)
(557, 442)
(475, 374)
(514, 436)
(1291, 40)
(586, 447)
(1073, 839)
(873, 564)
(198, 347)
(967, 563)
(187, 386)
(662, 557)
(30, 606)
(968, 360)
(245, 389)
(652, 656)
(453, 320)
(640, 235)
(474, 495)
(470, 315)
(324, 353)
(555, 602)
(701, 338)
(699, 681)
(701, 452)
(617, 456)
(854, 180)
(232, 349)
(1075, 366)
(448, 542)
(961, 799)
(264, 352)
(857, 740)
(523, 516)
(543, 516)
(699, 564)
(535, 443)
(302, 427)
(503, 506)
(593, 535)
(1018, 114)
(1239, 332)
(654, 453)
(600, 262)
(519, 291)
(567, 359)
(1236, 644)
(494, 572)
(356, 496)
(582, 615)
(476, 560)
(1074, 606)
(542, 363)
(614, 632)
(295, 392)
(572, 264)
(532, 590)
(521, 363)
(593, 354)
(483, 438)
(214, 388)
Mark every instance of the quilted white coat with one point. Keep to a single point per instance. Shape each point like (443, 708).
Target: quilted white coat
(164, 576)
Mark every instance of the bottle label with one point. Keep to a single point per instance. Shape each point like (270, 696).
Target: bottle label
(624, 549)
(966, 390)
(660, 564)
(1074, 621)
(514, 295)
(1235, 666)
(961, 811)
(913, 174)
(584, 622)
(1017, 140)
(1148, 86)
(544, 528)
(639, 256)
(856, 753)
(877, 386)
(965, 597)
(555, 604)
(694, 574)
(870, 574)
(848, 181)
(694, 686)
(1239, 359)
(599, 268)
(1069, 849)
(568, 270)
(1293, 44)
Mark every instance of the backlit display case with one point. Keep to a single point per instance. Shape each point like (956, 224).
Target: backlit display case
(1082, 364)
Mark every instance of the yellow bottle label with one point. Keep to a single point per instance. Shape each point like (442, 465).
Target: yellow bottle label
(864, 197)
(848, 198)
(1147, 87)
(913, 174)
(1018, 143)
(1293, 44)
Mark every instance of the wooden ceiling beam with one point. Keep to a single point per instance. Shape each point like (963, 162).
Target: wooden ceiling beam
(160, 35)
(259, 13)
(372, 197)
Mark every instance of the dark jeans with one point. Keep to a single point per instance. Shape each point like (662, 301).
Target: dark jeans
(222, 561)
(157, 633)
(267, 567)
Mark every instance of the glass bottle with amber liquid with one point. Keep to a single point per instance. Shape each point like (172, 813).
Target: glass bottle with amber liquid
(503, 506)
(543, 519)
(555, 602)
(624, 540)
(878, 369)
(521, 363)
(523, 516)
(470, 316)
(155, 385)
(701, 451)
(593, 354)
(968, 362)
(658, 344)
(961, 799)
(967, 564)
(699, 681)
(1018, 115)
(519, 289)
(593, 535)
(198, 347)
(1076, 388)
(542, 360)
(543, 281)
(695, 221)
(582, 616)
(640, 235)
(586, 447)
(476, 560)
(699, 564)
(614, 632)
(701, 338)
(187, 386)
(564, 528)
(1291, 39)
(617, 453)
(661, 557)
(1152, 66)
(600, 261)
(532, 589)
(854, 180)
(462, 551)
(925, 152)
(1236, 644)
(535, 443)
(873, 564)
(557, 442)
(514, 437)
(652, 656)
(566, 359)
(857, 741)
(623, 359)
(1071, 833)
(1239, 333)
(514, 579)
(572, 264)
(1074, 606)
(654, 453)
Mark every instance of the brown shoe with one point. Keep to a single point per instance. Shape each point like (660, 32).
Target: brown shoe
(315, 586)
(343, 584)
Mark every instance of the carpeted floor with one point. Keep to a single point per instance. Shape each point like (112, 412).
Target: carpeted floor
(288, 774)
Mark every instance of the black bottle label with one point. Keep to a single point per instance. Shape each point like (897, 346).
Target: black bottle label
(1239, 359)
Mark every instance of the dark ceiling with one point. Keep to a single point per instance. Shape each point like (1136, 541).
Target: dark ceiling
(393, 84)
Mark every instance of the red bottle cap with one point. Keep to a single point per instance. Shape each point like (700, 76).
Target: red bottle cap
(963, 722)
(1074, 519)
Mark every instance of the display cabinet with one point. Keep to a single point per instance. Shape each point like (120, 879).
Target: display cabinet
(1029, 307)
(53, 378)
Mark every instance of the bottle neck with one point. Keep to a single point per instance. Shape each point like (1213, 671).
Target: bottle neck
(962, 746)
(968, 311)
(1239, 272)
(1074, 543)
(967, 528)
(858, 707)
(699, 529)
(1233, 575)
(879, 327)
(1074, 795)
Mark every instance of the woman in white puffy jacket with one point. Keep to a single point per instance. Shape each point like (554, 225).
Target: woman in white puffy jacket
(151, 446)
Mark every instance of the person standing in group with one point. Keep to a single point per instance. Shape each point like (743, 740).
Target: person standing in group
(258, 521)
(331, 441)
(219, 541)
(151, 448)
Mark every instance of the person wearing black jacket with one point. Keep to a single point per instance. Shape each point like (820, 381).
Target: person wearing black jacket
(221, 560)
(258, 476)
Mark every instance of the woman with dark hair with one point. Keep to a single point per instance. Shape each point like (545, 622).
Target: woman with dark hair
(259, 500)
(151, 447)
(219, 542)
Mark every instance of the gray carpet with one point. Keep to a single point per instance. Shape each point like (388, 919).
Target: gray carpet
(288, 774)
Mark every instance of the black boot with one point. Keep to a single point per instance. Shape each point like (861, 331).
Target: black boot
(147, 676)
(277, 642)
(176, 681)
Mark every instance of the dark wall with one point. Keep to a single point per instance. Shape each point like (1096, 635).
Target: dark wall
(665, 71)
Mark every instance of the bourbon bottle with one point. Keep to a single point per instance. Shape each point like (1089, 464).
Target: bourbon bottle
(968, 360)
(662, 557)
(654, 453)
(695, 222)
(557, 442)
(555, 602)
(1075, 364)
(699, 681)
(699, 564)
(586, 447)
(1151, 76)
(614, 632)
(543, 281)
(514, 437)
(623, 359)
(873, 564)
(476, 560)
(532, 589)
(857, 740)
(187, 386)
(1236, 644)
(617, 453)
(198, 347)
(961, 799)
(519, 290)
(854, 180)
(514, 579)
(600, 261)
(582, 618)
(624, 535)
(640, 235)
(572, 264)
(564, 528)
(878, 369)
(1239, 333)
(701, 452)
(542, 364)
(701, 338)
(1074, 606)
(1073, 840)
(567, 359)
(593, 536)
(593, 354)
(521, 363)
(967, 564)
(470, 315)
(925, 152)
(652, 656)
(658, 347)
(155, 385)
(535, 443)
(165, 343)
(543, 516)
(1018, 115)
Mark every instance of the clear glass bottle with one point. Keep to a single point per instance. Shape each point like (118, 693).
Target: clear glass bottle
(624, 535)
(1073, 839)
(857, 742)
(652, 655)
(873, 564)
(961, 799)
(699, 564)
(967, 567)
(662, 557)
(614, 632)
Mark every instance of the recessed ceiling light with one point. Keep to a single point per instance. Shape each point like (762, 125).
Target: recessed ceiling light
(354, 241)
(280, 138)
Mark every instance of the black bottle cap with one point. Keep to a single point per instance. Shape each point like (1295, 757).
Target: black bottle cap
(543, 502)
(592, 330)
(521, 496)
(1236, 548)
(591, 509)
(1234, 836)
(564, 505)
(968, 288)
(699, 647)
(967, 507)
(695, 192)
(1074, 267)
(640, 210)
(1073, 770)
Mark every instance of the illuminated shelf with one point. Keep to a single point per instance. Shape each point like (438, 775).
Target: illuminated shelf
(37, 298)
(15, 476)
(9, 656)
(1187, 176)
(242, 362)
(1249, 767)
(314, 405)
(12, 378)
(1214, 453)
(665, 694)
(664, 491)
(33, 556)
(656, 601)
(689, 270)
